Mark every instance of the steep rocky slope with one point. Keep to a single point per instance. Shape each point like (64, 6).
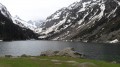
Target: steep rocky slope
(24, 24)
(11, 31)
(87, 20)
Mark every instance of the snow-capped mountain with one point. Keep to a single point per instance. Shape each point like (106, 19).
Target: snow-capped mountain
(9, 30)
(4, 12)
(23, 23)
(87, 20)
(27, 24)
(37, 23)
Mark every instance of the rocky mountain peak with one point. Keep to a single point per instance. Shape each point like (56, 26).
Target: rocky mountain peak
(4, 11)
(87, 20)
(10, 30)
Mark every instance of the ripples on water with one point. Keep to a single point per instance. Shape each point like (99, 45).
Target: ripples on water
(34, 48)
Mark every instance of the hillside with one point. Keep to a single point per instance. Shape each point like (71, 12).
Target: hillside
(87, 21)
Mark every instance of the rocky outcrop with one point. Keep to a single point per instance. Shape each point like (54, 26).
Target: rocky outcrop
(70, 52)
(49, 53)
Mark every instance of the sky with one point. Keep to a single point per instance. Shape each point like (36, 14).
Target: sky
(35, 9)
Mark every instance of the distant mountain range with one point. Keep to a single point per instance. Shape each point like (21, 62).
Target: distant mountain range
(12, 29)
(86, 21)
(37, 23)
(35, 26)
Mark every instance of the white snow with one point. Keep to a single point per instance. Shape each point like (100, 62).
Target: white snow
(103, 28)
(54, 27)
(4, 11)
(42, 36)
(112, 12)
(81, 26)
(85, 41)
(16, 20)
(92, 19)
(66, 26)
(100, 15)
(73, 17)
(114, 15)
(117, 2)
(56, 38)
(24, 24)
(56, 16)
(114, 41)
(84, 5)
(38, 30)
(69, 21)
(79, 22)
(102, 11)
(83, 8)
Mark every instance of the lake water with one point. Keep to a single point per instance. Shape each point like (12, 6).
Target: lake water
(34, 48)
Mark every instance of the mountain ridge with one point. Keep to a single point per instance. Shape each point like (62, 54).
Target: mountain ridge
(11, 31)
(87, 21)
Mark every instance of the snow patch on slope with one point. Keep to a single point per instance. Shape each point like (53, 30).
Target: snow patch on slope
(42, 37)
(84, 5)
(57, 15)
(4, 11)
(54, 27)
(79, 22)
(112, 12)
(117, 2)
(100, 15)
(102, 11)
(114, 41)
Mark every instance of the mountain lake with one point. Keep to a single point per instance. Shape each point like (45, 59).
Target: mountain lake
(97, 51)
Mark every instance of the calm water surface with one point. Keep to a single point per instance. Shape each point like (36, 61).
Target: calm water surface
(34, 48)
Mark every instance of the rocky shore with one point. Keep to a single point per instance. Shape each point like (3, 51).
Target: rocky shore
(70, 52)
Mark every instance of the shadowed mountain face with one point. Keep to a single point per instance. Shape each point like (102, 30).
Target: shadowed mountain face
(87, 20)
(11, 31)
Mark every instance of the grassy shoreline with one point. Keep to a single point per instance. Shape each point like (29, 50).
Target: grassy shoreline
(55, 61)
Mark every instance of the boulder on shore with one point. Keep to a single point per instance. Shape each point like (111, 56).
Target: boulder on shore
(49, 53)
(70, 52)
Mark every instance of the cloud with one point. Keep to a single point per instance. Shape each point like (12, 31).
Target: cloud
(35, 9)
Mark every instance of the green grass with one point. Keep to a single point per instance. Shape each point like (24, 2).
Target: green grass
(51, 62)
